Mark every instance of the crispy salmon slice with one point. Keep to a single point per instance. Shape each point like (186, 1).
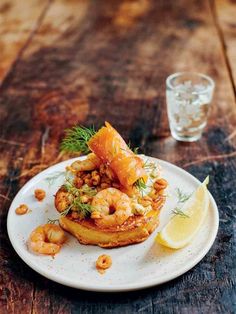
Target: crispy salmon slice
(110, 147)
(128, 169)
(107, 143)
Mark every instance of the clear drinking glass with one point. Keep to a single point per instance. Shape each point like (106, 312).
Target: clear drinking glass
(188, 97)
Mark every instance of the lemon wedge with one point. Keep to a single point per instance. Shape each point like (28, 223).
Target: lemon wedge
(181, 229)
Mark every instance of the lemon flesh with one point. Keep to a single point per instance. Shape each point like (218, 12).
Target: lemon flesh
(180, 230)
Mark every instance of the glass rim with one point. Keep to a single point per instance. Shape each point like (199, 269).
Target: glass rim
(211, 82)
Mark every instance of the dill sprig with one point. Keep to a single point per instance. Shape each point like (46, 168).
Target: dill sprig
(182, 198)
(88, 190)
(149, 165)
(77, 138)
(140, 185)
(69, 186)
(52, 221)
(83, 209)
(134, 150)
(66, 211)
(179, 212)
(51, 179)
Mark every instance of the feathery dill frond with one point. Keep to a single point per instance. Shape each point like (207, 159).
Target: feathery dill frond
(179, 212)
(182, 197)
(77, 138)
(140, 184)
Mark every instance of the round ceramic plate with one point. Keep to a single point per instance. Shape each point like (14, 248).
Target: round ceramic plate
(134, 267)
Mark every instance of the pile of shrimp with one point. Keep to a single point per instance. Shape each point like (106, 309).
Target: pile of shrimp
(111, 170)
(113, 203)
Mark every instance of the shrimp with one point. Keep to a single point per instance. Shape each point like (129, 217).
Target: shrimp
(111, 208)
(92, 162)
(46, 239)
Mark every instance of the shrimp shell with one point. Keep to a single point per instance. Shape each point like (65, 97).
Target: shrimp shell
(92, 162)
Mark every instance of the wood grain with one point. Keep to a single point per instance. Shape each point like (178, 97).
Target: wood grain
(225, 12)
(17, 29)
(91, 61)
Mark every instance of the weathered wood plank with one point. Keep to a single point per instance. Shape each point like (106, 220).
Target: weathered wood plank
(225, 12)
(18, 21)
(91, 61)
(16, 287)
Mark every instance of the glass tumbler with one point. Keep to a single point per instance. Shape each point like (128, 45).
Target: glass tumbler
(188, 97)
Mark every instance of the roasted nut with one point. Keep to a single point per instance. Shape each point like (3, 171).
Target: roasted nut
(95, 179)
(82, 175)
(94, 173)
(153, 194)
(157, 204)
(39, 194)
(88, 181)
(105, 185)
(78, 182)
(145, 201)
(105, 179)
(88, 176)
(22, 209)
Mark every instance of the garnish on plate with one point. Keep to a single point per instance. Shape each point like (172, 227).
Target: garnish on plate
(180, 232)
(182, 198)
(179, 212)
(103, 263)
(22, 209)
(77, 138)
(140, 184)
(52, 178)
(39, 194)
(52, 221)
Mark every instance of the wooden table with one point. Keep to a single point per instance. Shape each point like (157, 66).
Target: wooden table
(69, 62)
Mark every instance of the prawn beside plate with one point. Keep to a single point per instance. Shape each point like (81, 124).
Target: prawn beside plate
(134, 267)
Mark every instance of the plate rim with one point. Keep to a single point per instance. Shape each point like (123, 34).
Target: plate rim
(122, 287)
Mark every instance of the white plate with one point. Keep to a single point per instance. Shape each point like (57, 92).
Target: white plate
(134, 267)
